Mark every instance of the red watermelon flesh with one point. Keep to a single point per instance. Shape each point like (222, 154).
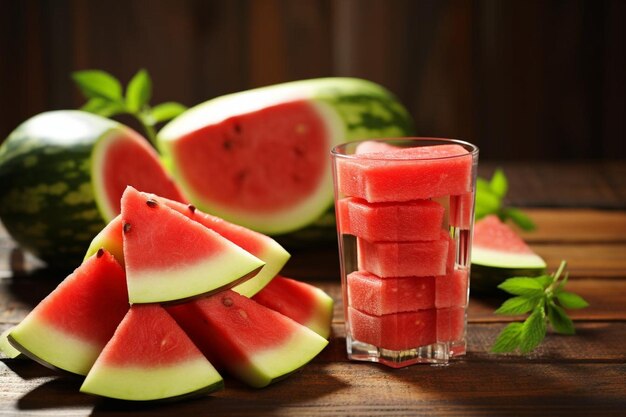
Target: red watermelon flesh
(371, 146)
(452, 290)
(252, 342)
(127, 159)
(407, 174)
(414, 220)
(462, 210)
(405, 259)
(302, 302)
(149, 358)
(170, 257)
(379, 296)
(398, 331)
(69, 328)
(109, 238)
(450, 324)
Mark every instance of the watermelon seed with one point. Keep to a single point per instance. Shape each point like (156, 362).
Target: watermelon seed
(151, 203)
(126, 227)
(237, 128)
(228, 144)
(100, 253)
(191, 208)
(227, 301)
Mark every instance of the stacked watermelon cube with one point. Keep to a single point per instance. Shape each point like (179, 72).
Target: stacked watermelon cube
(404, 216)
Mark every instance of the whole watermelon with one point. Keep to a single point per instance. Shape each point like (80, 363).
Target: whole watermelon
(62, 174)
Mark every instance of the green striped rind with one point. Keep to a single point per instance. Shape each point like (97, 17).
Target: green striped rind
(46, 199)
(176, 381)
(485, 279)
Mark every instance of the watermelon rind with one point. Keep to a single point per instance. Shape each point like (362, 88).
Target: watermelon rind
(351, 109)
(6, 348)
(275, 257)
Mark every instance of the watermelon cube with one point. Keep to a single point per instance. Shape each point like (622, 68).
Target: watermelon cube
(406, 174)
(406, 259)
(462, 210)
(398, 331)
(451, 289)
(378, 296)
(450, 324)
(414, 220)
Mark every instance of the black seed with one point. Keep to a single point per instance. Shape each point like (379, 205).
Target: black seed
(152, 203)
(227, 301)
(191, 208)
(237, 128)
(228, 144)
(126, 227)
(100, 253)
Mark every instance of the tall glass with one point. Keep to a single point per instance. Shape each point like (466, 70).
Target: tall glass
(405, 210)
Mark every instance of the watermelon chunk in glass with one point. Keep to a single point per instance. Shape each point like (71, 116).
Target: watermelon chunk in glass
(398, 331)
(451, 290)
(378, 296)
(255, 344)
(405, 259)
(408, 174)
(414, 220)
(170, 257)
(462, 210)
(150, 358)
(450, 324)
(69, 328)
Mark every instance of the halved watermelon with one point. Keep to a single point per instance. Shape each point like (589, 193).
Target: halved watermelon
(259, 158)
(150, 358)
(302, 302)
(170, 257)
(69, 328)
(252, 342)
(499, 253)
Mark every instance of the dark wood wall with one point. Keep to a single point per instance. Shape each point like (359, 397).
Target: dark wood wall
(524, 79)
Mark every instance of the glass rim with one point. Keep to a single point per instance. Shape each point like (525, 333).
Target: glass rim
(338, 150)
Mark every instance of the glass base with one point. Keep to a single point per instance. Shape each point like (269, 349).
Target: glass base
(435, 354)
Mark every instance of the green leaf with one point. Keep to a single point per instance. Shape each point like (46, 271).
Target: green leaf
(544, 280)
(559, 320)
(139, 91)
(522, 286)
(499, 184)
(103, 107)
(98, 84)
(518, 305)
(570, 300)
(519, 218)
(486, 203)
(508, 339)
(166, 111)
(533, 331)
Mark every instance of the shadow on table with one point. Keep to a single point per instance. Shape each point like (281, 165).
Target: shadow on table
(28, 369)
(58, 393)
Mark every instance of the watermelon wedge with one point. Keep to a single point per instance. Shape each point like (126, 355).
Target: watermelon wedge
(6, 348)
(150, 358)
(171, 258)
(69, 328)
(498, 253)
(302, 302)
(255, 344)
(111, 239)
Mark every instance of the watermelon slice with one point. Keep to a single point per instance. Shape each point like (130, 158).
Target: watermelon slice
(302, 302)
(254, 343)
(111, 239)
(6, 348)
(150, 358)
(69, 328)
(170, 257)
(499, 253)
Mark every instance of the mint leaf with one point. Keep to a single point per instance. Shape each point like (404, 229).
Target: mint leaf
(486, 203)
(519, 218)
(570, 300)
(499, 185)
(103, 107)
(544, 280)
(509, 338)
(518, 305)
(559, 320)
(522, 286)
(533, 330)
(139, 91)
(98, 84)
(166, 111)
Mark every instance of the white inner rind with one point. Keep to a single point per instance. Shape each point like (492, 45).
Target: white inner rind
(51, 346)
(6, 348)
(275, 257)
(150, 383)
(500, 259)
(265, 366)
(185, 281)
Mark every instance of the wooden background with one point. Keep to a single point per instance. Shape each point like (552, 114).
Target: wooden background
(524, 80)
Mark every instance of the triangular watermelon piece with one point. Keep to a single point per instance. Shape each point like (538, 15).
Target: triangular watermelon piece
(69, 328)
(302, 302)
(150, 358)
(253, 343)
(170, 257)
(109, 238)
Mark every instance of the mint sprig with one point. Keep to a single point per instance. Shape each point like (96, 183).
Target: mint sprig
(490, 195)
(106, 98)
(545, 299)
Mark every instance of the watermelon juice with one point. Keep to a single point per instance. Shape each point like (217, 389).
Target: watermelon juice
(405, 210)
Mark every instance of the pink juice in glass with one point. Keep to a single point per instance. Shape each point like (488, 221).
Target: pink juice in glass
(404, 212)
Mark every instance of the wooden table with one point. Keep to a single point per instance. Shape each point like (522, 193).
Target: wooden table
(580, 375)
